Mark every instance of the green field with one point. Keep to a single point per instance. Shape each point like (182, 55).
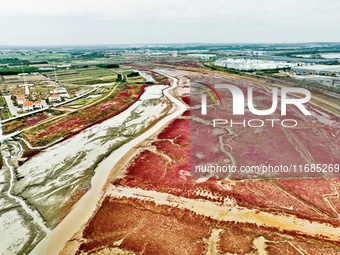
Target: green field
(4, 112)
(100, 92)
(84, 76)
(93, 75)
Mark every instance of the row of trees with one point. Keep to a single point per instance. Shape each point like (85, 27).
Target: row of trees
(108, 66)
(121, 78)
(18, 62)
(17, 70)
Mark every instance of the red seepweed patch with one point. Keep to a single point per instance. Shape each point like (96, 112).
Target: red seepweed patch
(321, 193)
(186, 100)
(171, 173)
(75, 122)
(186, 113)
(144, 231)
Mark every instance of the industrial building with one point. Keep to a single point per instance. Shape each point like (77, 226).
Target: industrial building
(328, 70)
(252, 64)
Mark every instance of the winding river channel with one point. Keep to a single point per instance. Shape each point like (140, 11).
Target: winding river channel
(84, 208)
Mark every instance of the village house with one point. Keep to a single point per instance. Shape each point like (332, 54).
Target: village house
(20, 99)
(61, 91)
(54, 98)
(27, 106)
(37, 105)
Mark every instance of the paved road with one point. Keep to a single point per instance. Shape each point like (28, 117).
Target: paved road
(23, 115)
(5, 137)
(13, 109)
(75, 98)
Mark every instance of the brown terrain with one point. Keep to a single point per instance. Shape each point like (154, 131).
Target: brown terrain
(158, 205)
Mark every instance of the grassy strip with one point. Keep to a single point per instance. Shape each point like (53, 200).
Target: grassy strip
(325, 106)
(17, 124)
(4, 113)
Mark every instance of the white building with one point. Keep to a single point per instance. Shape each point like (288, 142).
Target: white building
(37, 105)
(27, 90)
(54, 98)
(252, 64)
(202, 56)
(61, 91)
(20, 99)
(318, 70)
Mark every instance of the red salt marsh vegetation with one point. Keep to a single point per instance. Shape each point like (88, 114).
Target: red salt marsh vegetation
(168, 165)
(320, 193)
(186, 100)
(143, 227)
(143, 231)
(167, 169)
(17, 124)
(74, 122)
(165, 166)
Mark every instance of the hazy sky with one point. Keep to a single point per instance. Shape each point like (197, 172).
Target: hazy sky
(76, 22)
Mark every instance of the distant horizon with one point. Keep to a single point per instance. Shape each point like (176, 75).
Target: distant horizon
(112, 22)
(168, 44)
